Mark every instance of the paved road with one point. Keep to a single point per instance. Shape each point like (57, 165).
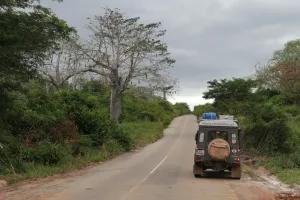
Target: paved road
(161, 171)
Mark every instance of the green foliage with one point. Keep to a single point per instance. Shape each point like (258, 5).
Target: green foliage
(286, 167)
(26, 36)
(47, 130)
(143, 133)
(290, 53)
(142, 109)
(235, 90)
(113, 147)
(200, 109)
(40, 30)
(6, 4)
(227, 92)
(97, 88)
(182, 109)
(268, 138)
(35, 113)
(282, 72)
(47, 153)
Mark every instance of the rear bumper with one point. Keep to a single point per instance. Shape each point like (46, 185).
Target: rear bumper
(216, 164)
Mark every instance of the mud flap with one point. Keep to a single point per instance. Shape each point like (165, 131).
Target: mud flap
(236, 172)
(198, 171)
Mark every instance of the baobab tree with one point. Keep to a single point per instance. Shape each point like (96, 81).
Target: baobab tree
(164, 84)
(122, 49)
(63, 63)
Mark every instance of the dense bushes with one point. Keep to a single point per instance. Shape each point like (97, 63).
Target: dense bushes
(63, 130)
(143, 133)
(142, 109)
(182, 108)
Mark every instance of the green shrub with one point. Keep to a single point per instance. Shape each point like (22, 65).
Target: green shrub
(181, 109)
(52, 132)
(294, 110)
(47, 153)
(113, 147)
(284, 166)
(294, 134)
(279, 100)
(143, 133)
(123, 137)
(276, 162)
(10, 152)
(25, 116)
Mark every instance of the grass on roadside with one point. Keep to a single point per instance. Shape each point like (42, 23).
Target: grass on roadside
(249, 171)
(141, 133)
(289, 176)
(144, 133)
(282, 167)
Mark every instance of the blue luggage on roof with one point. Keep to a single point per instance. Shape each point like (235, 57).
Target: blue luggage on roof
(209, 115)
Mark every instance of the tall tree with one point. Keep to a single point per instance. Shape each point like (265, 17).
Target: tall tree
(164, 84)
(282, 73)
(237, 89)
(25, 38)
(122, 49)
(228, 92)
(63, 63)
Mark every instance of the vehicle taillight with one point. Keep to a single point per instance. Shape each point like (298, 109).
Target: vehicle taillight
(237, 160)
(233, 136)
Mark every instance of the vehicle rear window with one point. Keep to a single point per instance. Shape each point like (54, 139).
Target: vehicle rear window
(217, 134)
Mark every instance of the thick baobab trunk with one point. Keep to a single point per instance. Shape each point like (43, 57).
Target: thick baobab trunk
(115, 103)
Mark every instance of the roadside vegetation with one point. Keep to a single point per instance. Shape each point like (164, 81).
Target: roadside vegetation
(44, 134)
(267, 107)
(64, 104)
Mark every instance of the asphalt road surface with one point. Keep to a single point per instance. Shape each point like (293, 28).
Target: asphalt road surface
(160, 171)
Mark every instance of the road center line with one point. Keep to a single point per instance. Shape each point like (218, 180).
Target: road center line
(159, 164)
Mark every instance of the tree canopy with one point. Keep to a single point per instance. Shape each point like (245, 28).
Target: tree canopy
(282, 73)
(26, 36)
(226, 92)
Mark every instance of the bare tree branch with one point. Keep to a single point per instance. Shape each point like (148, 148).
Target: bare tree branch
(64, 63)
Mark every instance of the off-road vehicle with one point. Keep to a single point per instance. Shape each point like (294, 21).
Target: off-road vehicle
(217, 146)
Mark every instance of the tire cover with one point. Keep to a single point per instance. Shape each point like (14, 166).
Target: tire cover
(219, 149)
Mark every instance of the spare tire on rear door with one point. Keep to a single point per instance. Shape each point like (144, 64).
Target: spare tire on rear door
(219, 149)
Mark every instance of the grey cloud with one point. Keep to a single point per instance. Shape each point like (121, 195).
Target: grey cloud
(210, 39)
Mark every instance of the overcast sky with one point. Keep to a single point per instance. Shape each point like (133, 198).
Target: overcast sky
(210, 39)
